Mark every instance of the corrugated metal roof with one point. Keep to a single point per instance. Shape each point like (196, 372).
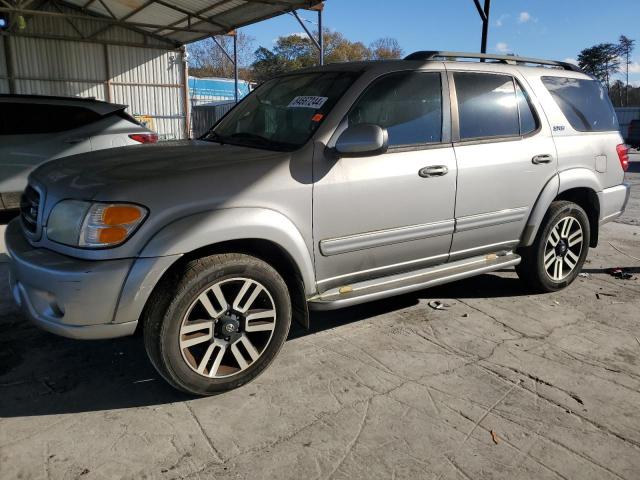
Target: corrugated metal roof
(184, 21)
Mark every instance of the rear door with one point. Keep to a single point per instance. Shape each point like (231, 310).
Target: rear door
(505, 156)
(376, 215)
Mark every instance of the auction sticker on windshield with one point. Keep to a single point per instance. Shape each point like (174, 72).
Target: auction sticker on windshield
(307, 101)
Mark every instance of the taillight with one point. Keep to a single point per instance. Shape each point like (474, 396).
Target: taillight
(144, 137)
(623, 155)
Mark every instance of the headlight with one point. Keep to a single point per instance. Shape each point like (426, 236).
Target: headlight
(93, 225)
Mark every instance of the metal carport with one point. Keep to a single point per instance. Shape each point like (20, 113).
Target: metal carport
(123, 51)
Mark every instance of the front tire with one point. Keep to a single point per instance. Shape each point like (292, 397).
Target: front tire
(559, 250)
(217, 323)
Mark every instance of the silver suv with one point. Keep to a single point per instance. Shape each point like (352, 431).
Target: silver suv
(323, 189)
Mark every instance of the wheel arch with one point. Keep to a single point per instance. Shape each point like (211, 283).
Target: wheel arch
(579, 186)
(263, 233)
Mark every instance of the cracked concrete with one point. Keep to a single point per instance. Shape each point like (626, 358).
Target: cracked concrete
(393, 389)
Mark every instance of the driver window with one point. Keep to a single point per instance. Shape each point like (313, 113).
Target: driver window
(407, 104)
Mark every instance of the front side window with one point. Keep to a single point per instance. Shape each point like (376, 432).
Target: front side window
(407, 104)
(584, 103)
(284, 112)
(487, 105)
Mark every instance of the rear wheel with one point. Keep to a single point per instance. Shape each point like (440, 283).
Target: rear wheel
(559, 250)
(219, 324)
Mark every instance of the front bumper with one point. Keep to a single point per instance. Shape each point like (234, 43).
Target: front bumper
(613, 201)
(66, 296)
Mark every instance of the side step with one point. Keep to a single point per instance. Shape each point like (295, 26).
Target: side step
(398, 284)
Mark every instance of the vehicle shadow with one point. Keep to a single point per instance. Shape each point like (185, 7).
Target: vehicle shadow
(42, 374)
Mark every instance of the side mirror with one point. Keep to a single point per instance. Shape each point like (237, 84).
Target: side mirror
(362, 140)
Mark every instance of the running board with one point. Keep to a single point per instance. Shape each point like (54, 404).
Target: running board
(398, 284)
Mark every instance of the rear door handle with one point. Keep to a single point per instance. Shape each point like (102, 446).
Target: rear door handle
(433, 171)
(538, 159)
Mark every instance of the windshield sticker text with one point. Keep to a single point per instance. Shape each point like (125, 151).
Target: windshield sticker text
(307, 101)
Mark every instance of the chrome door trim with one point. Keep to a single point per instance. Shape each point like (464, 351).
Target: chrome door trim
(379, 238)
(471, 222)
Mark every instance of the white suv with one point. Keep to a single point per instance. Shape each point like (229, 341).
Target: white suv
(35, 129)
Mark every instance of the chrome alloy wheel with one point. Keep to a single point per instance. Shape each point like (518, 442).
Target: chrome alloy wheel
(563, 248)
(219, 339)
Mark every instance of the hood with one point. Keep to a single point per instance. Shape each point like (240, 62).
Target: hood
(86, 175)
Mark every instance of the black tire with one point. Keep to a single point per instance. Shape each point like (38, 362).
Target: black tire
(531, 269)
(174, 298)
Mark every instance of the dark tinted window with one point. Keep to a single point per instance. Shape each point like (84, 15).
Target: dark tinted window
(407, 104)
(30, 118)
(585, 103)
(528, 119)
(487, 105)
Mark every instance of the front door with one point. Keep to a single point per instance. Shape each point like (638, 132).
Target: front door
(505, 156)
(383, 214)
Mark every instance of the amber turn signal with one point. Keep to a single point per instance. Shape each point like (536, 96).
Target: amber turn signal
(121, 215)
(112, 235)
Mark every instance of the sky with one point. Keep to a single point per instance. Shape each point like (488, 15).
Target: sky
(553, 29)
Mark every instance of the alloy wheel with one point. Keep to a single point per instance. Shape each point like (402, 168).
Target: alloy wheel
(563, 248)
(227, 327)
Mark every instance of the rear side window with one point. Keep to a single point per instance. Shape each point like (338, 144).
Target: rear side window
(407, 104)
(492, 106)
(29, 118)
(584, 103)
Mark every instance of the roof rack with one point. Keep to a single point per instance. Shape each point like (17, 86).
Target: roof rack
(509, 59)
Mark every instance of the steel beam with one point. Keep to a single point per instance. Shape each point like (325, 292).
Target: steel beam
(235, 64)
(121, 22)
(301, 22)
(485, 25)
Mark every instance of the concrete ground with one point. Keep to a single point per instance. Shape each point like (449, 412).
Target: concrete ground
(503, 384)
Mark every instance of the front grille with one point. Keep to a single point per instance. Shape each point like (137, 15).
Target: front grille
(29, 208)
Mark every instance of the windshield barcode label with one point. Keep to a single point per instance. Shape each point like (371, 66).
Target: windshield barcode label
(307, 101)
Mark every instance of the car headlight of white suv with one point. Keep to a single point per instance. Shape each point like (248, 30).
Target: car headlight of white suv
(84, 224)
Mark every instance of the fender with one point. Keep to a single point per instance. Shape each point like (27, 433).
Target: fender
(207, 228)
(549, 192)
(579, 178)
(203, 229)
(563, 181)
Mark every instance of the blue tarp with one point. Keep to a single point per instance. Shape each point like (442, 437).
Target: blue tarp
(216, 87)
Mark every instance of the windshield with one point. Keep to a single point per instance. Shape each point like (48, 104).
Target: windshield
(283, 113)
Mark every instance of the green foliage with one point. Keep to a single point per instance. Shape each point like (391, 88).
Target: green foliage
(601, 61)
(293, 52)
(605, 60)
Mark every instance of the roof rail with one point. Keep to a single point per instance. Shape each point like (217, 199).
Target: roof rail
(510, 59)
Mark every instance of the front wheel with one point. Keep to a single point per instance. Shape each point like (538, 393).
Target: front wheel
(559, 250)
(218, 323)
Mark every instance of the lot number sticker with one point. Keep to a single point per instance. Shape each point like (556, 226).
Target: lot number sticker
(307, 101)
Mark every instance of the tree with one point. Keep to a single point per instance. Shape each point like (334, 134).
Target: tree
(602, 61)
(292, 52)
(625, 48)
(385, 48)
(206, 59)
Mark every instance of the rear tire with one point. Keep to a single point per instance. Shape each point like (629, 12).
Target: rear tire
(217, 323)
(559, 250)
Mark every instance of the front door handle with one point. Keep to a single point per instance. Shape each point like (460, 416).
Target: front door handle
(433, 171)
(538, 159)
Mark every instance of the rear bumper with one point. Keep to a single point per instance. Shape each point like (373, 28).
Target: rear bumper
(64, 295)
(613, 201)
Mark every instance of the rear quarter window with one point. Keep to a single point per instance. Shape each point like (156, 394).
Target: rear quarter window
(584, 103)
(32, 118)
